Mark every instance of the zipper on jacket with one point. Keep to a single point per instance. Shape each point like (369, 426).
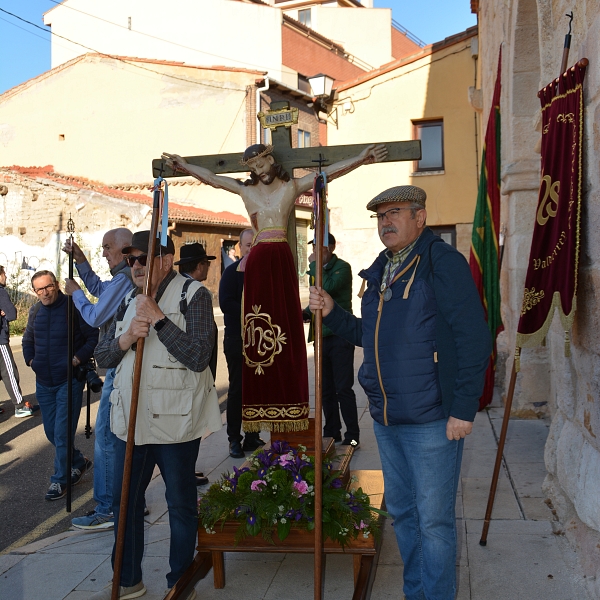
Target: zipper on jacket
(170, 368)
(379, 312)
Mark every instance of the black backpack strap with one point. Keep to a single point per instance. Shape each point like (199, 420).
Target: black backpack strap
(183, 304)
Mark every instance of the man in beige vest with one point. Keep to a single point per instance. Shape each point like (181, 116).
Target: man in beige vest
(177, 403)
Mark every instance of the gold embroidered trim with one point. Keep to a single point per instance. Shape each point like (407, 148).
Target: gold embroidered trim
(276, 426)
(530, 299)
(531, 340)
(270, 339)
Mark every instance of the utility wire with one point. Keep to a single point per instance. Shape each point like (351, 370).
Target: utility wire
(118, 58)
(241, 62)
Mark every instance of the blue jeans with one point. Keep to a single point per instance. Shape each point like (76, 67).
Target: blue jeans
(53, 404)
(421, 468)
(104, 450)
(177, 466)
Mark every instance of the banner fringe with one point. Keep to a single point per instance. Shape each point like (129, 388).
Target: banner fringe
(275, 426)
(517, 359)
(567, 344)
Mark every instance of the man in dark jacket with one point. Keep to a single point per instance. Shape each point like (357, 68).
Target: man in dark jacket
(338, 353)
(426, 349)
(230, 302)
(45, 348)
(8, 369)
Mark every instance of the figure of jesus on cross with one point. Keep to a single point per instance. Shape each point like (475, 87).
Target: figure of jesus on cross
(275, 374)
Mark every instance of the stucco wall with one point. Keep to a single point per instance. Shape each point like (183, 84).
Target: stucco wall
(382, 109)
(566, 388)
(115, 118)
(198, 32)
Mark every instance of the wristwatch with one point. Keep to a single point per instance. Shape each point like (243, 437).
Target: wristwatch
(160, 323)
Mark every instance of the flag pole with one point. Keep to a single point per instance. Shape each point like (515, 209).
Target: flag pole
(70, 353)
(565, 57)
(135, 394)
(318, 548)
(499, 454)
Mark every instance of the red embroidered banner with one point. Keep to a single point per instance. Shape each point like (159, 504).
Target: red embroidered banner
(551, 281)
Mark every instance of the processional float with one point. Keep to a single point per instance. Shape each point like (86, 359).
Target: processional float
(279, 119)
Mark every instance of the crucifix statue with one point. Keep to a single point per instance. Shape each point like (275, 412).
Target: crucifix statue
(275, 379)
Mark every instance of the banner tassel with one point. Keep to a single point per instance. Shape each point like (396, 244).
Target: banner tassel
(517, 359)
(567, 344)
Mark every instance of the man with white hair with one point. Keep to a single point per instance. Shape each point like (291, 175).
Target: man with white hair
(109, 294)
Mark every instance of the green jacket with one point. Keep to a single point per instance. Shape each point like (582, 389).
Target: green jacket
(337, 281)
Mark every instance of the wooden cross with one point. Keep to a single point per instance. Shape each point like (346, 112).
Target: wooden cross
(279, 119)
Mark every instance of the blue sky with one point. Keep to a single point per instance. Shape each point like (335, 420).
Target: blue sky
(27, 49)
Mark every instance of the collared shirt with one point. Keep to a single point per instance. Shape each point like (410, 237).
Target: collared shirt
(109, 294)
(395, 261)
(192, 348)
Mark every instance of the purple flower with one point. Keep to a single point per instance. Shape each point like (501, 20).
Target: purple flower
(255, 485)
(301, 487)
(251, 519)
(261, 472)
(336, 483)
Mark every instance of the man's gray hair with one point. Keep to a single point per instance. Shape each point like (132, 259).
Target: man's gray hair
(122, 236)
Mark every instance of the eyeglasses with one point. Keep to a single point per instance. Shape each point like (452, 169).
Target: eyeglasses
(392, 213)
(142, 259)
(50, 287)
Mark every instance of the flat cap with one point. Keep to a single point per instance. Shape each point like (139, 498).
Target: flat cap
(400, 193)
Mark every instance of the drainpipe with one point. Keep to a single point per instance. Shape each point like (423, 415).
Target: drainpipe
(258, 91)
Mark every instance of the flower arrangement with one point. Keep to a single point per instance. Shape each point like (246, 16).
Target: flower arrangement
(276, 493)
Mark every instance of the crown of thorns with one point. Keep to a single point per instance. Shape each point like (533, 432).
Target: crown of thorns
(256, 151)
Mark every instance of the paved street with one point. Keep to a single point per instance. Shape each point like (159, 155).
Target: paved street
(26, 459)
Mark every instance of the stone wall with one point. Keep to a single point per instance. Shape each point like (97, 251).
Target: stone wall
(565, 388)
(33, 223)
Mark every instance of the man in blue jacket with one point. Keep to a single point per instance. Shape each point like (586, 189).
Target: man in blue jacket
(110, 294)
(45, 348)
(426, 349)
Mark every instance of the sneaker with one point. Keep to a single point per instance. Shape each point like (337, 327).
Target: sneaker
(23, 410)
(93, 521)
(77, 474)
(354, 443)
(55, 492)
(125, 593)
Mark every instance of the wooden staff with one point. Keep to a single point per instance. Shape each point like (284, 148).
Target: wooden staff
(135, 394)
(319, 580)
(70, 353)
(513, 380)
(565, 57)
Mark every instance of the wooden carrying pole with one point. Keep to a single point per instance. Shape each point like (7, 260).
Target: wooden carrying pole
(135, 394)
(499, 453)
(70, 354)
(319, 555)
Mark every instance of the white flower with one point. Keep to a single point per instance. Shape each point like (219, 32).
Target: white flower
(281, 508)
(283, 520)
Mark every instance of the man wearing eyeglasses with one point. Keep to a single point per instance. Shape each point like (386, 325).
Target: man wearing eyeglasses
(110, 294)
(426, 349)
(45, 349)
(177, 403)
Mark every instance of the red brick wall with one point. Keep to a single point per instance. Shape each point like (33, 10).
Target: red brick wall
(309, 57)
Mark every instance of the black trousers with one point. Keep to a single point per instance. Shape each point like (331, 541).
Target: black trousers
(338, 395)
(10, 374)
(232, 347)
